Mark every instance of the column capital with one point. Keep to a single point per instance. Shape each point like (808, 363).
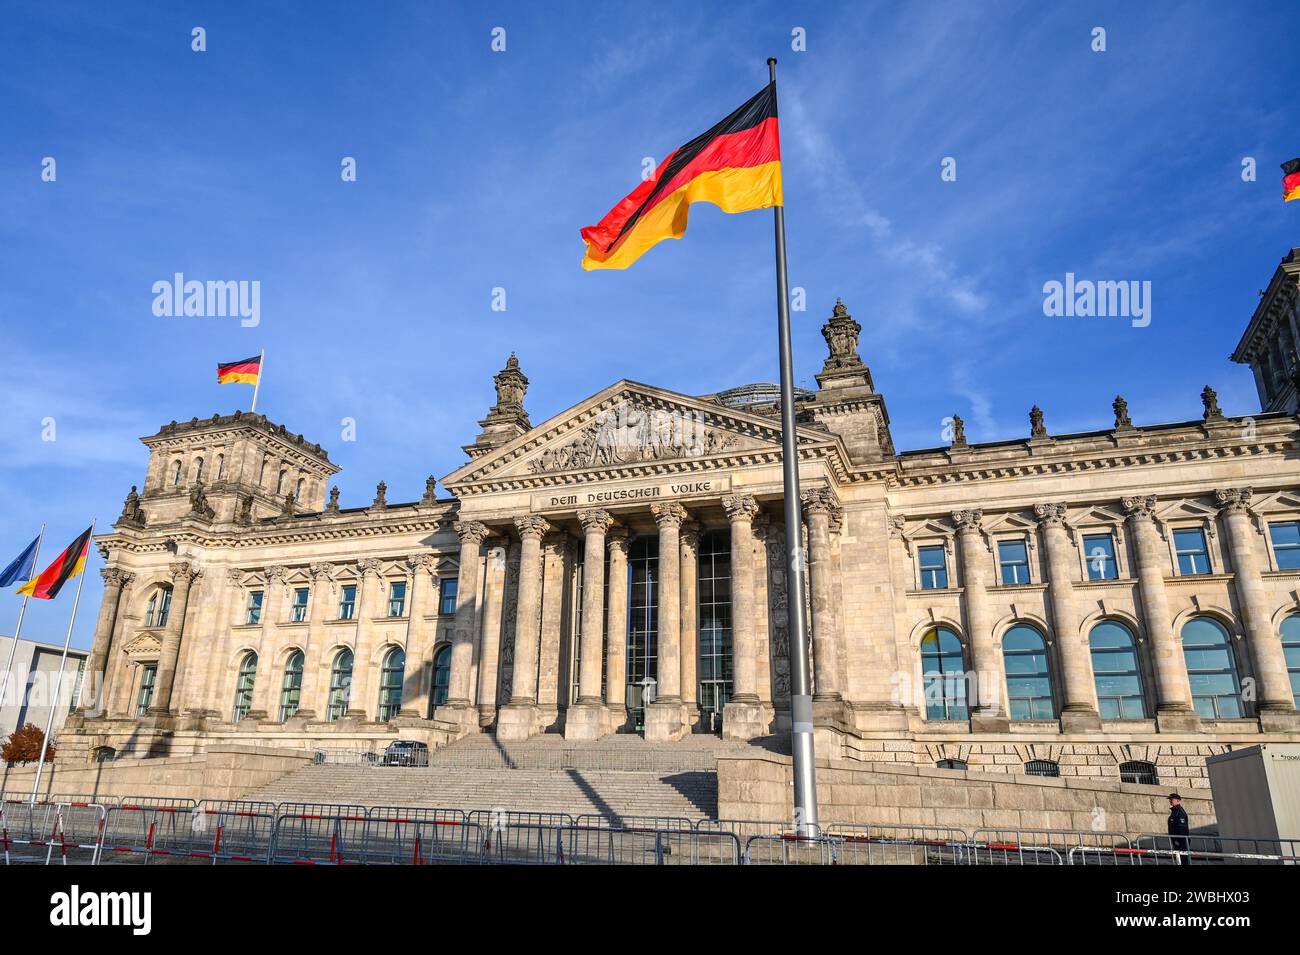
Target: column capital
(471, 533)
(595, 521)
(1051, 514)
(1138, 508)
(235, 576)
(668, 514)
(115, 577)
(276, 572)
(419, 562)
(1233, 500)
(740, 507)
(819, 500)
(321, 570)
(969, 520)
(183, 570)
(690, 535)
(616, 540)
(532, 526)
(368, 565)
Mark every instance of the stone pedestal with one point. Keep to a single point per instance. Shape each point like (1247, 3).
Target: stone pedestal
(1085, 720)
(1171, 720)
(1279, 721)
(616, 719)
(585, 721)
(744, 720)
(665, 720)
(462, 715)
(516, 721)
(989, 721)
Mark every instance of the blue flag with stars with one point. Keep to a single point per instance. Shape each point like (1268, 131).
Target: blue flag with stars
(20, 569)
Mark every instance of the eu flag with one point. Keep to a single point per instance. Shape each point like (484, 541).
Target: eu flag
(20, 570)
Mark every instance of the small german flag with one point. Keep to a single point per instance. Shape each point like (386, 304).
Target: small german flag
(67, 565)
(1291, 180)
(242, 372)
(736, 166)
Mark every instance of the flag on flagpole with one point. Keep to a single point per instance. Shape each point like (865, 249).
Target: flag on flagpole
(246, 371)
(1291, 180)
(66, 566)
(21, 567)
(736, 165)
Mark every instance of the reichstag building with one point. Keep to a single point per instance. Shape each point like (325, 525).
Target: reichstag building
(1117, 604)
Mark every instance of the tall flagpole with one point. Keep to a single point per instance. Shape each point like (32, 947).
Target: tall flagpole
(261, 363)
(801, 725)
(63, 660)
(7, 676)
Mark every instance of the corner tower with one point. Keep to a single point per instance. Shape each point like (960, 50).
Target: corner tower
(846, 402)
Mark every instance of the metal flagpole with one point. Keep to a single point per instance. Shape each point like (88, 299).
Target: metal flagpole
(801, 728)
(261, 363)
(63, 660)
(7, 676)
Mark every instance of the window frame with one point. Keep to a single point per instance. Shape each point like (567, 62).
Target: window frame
(296, 690)
(1023, 541)
(1137, 672)
(440, 676)
(922, 570)
(340, 690)
(448, 590)
(1129, 768)
(1292, 642)
(298, 611)
(1109, 534)
(344, 602)
(1234, 671)
(1047, 673)
(399, 601)
(1287, 548)
(144, 692)
(389, 703)
(955, 708)
(253, 608)
(243, 704)
(1178, 554)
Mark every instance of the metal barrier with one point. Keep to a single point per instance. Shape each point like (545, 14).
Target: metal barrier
(139, 833)
(45, 833)
(678, 823)
(899, 845)
(1161, 849)
(395, 835)
(632, 845)
(1021, 846)
(314, 834)
(789, 848)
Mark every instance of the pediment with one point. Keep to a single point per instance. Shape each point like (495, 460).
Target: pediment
(633, 428)
(144, 646)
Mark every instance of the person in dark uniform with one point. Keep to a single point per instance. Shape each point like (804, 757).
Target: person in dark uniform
(1178, 828)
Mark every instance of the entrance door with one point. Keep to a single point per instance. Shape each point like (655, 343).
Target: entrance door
(714, 695)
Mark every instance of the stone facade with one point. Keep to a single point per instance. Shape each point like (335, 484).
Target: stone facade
(622, 567)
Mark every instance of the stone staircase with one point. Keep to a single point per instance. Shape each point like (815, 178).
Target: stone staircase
(621, 775)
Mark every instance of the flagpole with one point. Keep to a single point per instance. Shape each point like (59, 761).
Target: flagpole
(261, 363)
(801, 718)
(22, 612)
(63, 660)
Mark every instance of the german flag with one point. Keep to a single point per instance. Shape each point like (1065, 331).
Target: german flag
(243, 372)
(66, 566)
(736, 166)
(1291, 180)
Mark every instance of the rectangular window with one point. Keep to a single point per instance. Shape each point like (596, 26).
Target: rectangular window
(1286, 544)
(934, 568)
(1099, 552)
(347, 601)
(145, 699)
(1193, 556)
(254, 607)
(298, 609)
(447, 595)
(397, 598)
(75, 699)
(1013, 558)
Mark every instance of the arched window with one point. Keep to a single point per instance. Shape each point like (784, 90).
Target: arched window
(1291, 648)
(943, 676)
(441, 676)
(1139, 771)
(1212, 669)
(291, 689)
(1029, 683)
(298, 488)
(1042, 767)
(244, 686)
(340, 685)
(951, 764)
(159, 608)
(390, 683)
(176, 474)
(221, 468)
(279, 482)
(1115, 670)
(198, 469)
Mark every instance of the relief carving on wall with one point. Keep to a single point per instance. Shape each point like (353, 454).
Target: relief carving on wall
(634, 432)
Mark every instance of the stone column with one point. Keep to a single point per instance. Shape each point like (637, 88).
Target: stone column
(319, 611)
(818, 507)
(743, 716)
(415, 677)
(370, 599)
(218, 656)
(458, 709)
(665, 718)
(586, 718)
(1174, 710)
(183, 575)
(518, 718)
(616, 628)
(689, 560)
(1078, 706)
(988, 708)
(490, 651)
(558, 564)
(93, 702)
(1274, 704)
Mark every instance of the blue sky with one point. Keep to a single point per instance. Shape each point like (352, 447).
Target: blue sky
(476, 169)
